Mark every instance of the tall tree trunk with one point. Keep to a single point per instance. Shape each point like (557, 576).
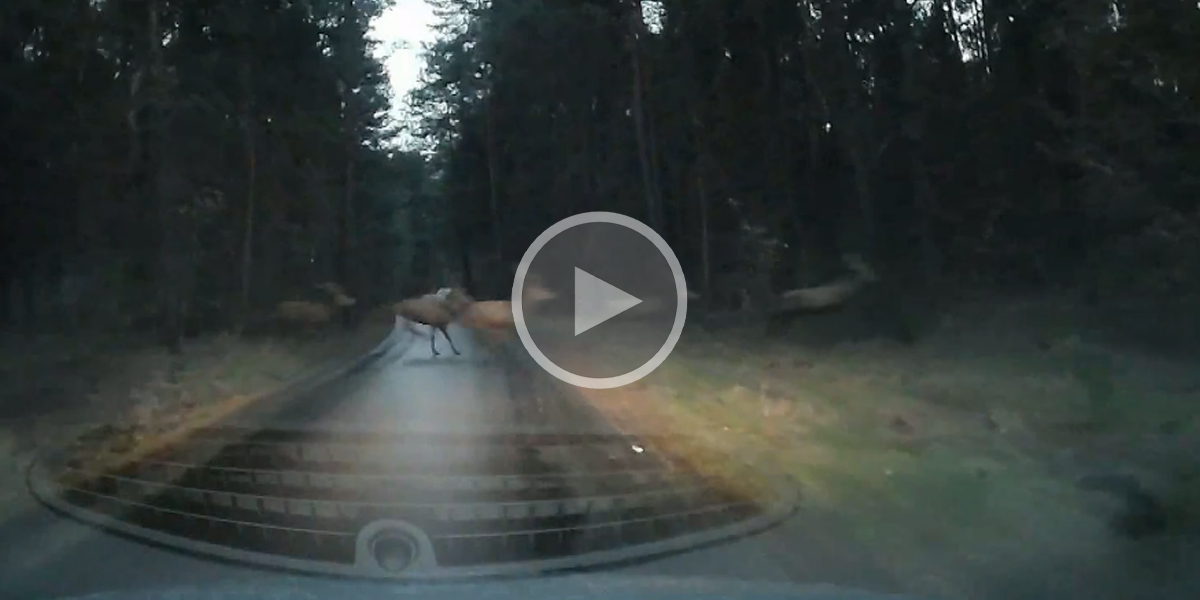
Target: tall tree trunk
(705, 240)
(350, 130)
(6, 287)
(342, 261)
(251, 185)
(653, 211)
(494, 180)
(655, 168)
(914, 121)
(171, 260)
(850, 118)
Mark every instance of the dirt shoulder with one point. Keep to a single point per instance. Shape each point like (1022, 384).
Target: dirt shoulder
(121, 396)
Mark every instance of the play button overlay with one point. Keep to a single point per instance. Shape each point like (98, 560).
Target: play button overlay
(596, 301)
(617, 306)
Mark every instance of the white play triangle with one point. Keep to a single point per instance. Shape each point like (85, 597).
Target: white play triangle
(597, 301)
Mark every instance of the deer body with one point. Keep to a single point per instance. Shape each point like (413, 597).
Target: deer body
(436, 311)
(829, 294)
(439, 309)
(498, 314)
(488, 314)
(313, 315)
(309, 314)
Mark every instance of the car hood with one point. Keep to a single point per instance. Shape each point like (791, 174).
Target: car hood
(575, 587)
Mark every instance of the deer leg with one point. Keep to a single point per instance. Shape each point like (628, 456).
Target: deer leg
(432, 345)
(447, 334)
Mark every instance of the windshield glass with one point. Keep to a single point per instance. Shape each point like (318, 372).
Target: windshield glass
(893, 296)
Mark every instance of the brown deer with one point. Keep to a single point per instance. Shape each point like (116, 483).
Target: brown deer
(497, 315)
(314, 315)
(829, 294)
(757, 299)
(435, 310)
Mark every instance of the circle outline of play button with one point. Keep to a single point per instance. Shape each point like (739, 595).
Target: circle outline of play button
(600, 383)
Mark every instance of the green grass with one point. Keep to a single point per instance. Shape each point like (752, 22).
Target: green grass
(938, 455)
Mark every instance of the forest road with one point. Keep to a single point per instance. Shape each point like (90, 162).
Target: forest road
(472, 395)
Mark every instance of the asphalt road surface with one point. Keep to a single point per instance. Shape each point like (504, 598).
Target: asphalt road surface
(45, 555)
(409, 389)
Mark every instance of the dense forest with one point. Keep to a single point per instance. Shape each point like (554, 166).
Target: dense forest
(986, 143)
(184, 166)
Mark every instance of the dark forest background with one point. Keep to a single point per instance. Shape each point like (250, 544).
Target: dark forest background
(183, 166)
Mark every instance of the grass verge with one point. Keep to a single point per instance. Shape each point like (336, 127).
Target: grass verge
(944, 459)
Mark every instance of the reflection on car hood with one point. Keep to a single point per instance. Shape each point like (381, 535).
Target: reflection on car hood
(575, 587)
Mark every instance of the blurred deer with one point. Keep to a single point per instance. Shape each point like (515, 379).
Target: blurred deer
(750, 293)
(436, 311)
(657, 306)
(497, 315)
(314, 315)
(829, 294)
